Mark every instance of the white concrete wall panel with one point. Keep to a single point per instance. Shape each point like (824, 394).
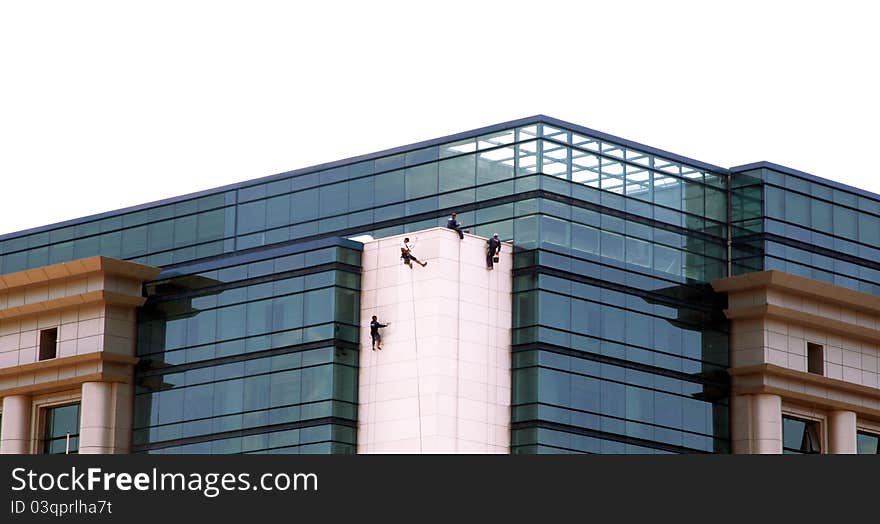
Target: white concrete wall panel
(441, 383)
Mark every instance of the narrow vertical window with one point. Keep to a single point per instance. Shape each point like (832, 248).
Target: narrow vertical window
(800, 436)
(61, 429)
(867, 443)
(815, 359)
(48, 343)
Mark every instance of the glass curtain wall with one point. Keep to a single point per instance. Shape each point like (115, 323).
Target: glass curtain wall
(803, 226)
(618, 344)
(822, 232)
(252, 354)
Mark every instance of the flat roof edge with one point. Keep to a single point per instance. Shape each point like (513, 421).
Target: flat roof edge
(269, 178)
(533, 119)
(630, 143)
(806, 176)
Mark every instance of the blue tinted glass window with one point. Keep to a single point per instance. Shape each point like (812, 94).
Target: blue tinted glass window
(389, 188)
(334, 199)
(360, 193)
(868, 444)
(318, 306)
(612, 246)
(278, 211)
(821, 217)
(421, 181)
(304, 205)
(869, 229)
(554, 231)
(231, 321)
(554, 310)
(845, 222)
(797, 208)
(251, 217)
(61, 432)
(457, 173)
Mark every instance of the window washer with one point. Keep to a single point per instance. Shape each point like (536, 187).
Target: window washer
(406, 253)
(452, 223)
(374, 332)
(493, 251)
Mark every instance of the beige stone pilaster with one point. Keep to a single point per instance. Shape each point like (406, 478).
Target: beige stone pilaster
(757, 427)
(15, 435)
(842, 432)
(767, 423)
(96, 433)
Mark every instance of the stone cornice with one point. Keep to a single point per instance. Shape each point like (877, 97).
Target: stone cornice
(85, 266)
(109, 367)
(807, 388)
(802, 286)
(64, 384)
(85, 358)
(71, 301)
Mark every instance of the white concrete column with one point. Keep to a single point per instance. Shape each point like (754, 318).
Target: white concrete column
(15, 435)
(842, 432)
(96, 418)
(766, 424)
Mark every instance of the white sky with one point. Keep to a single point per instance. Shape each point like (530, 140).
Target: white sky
(106, 104)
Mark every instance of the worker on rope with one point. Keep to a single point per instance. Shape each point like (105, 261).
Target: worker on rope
(493, 251)
(374, 332)
(452, 223)
(406, 253)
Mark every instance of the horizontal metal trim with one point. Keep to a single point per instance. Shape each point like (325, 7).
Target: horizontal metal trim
(763, 164)
(208, 290)
(255, 254)
(143, 371)
(246, 432)
(647, 368)
(606, 436)
(652, 296)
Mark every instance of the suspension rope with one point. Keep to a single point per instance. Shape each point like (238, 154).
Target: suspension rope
(374, 369)
(491, 373)
(458, 347)
(491, 349)
(374, 365)
(416, 335)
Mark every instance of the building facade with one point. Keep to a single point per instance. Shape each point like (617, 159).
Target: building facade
(645, 303)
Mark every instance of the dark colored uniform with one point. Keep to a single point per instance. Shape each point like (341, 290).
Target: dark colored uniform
(374, 333)
(453, 224)
(494, 249)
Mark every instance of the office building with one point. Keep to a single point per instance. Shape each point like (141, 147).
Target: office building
(643, 302)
